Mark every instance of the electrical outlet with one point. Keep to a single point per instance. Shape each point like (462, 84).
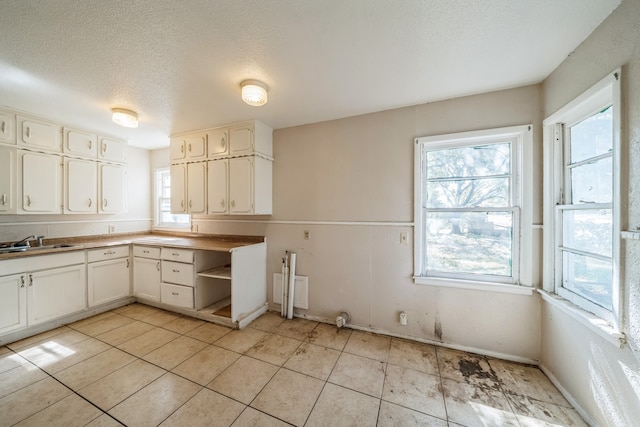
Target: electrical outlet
(112, 229)
(306, 234)
(404, 237)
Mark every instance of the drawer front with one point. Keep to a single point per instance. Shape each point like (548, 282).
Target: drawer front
(146, 252)
(110, 252)
(181, 296)
(180, 255)
(176, 272)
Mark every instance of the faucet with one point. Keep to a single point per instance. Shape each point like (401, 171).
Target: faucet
(25, 241)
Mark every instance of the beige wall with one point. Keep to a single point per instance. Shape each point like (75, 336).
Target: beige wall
(137, 217)
(603, 380)
(350, 183)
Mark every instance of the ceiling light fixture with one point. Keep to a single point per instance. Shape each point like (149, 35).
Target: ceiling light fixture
(254, 92)
(124, 117)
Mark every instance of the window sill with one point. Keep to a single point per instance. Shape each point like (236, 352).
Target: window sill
(476, 286)
(590, 321)
(171, 228)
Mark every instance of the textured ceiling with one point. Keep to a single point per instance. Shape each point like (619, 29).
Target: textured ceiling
(179, 63)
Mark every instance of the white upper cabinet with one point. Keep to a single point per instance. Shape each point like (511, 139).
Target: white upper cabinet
(7, 180)
(40, 182)
(196, 187)
(81, 143)
(217, 187)
(250, 186)
(188, 148)
(218, 143)
(81, 186)
(112, 150)
(7, 127)
(38, 134)
(250, 138)
(113, 181)
(178, 188)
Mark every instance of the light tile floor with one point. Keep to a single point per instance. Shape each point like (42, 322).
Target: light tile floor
(141, 366)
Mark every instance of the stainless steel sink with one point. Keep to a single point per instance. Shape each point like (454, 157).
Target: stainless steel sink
(10, 249)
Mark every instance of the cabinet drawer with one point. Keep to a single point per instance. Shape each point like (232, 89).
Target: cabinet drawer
(181, 296)
(111, 252)
(176, 272)
(180, 255)
(146, 252)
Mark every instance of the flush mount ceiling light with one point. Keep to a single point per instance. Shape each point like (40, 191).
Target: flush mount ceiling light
(254, 92)
(124, 117)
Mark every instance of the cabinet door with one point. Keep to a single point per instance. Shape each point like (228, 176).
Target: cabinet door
(41, 182)
(178, 188)
(55, 293)
(81, 186)
(217, 190)
(39, 134)
(113, 189)
(112, 150)
(7, 128)
(196, 187)
(241, 185)
(7, 180)
(146, 278)
(108, 281)
(241, 141)
(13, 303)
(196, 147)
(80, 143)
(177, 149)
(217, 144)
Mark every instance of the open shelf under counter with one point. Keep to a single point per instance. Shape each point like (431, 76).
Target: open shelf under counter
(217, 273)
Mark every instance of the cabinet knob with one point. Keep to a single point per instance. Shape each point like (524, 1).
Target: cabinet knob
(190, 203)
(175, 293)
(175, 253)
(30, 280)
(189, 147)
(4, 199)
(182, 203)
(3, 127)
(105, 203)
(233, 203)
(158, 266)
(104, 147)
(90, 144)
(175, 270)
(28, 132)
(28, 200)
(90, 202)
(223, 142)
(22, 281)
(222, 203)
(127, 263)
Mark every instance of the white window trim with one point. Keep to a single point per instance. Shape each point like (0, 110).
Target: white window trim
(521, 191)
(157, 224)
(605, 92)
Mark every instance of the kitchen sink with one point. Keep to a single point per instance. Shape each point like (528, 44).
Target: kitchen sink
(9, 249)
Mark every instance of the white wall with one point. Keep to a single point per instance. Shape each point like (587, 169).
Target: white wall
(137, 218)
(350, 183)
(603, 380)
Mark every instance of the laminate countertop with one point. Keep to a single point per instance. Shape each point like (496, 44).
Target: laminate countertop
(207, 242)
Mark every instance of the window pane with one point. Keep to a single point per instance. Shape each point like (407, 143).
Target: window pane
(588, 230)
(487, 192)
(480, 160)
(470, 242)
(592, 182)
(588, 277)
(592, 137)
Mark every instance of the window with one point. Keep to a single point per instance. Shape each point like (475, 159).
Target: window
(468, 200)
(164, 217)
(582, 240)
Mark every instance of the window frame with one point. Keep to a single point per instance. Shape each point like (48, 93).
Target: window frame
(157, 210)
(604, 93)
(521, 139)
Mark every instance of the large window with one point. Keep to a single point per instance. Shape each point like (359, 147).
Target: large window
(164, 217)
(582, 240)
(468, 205)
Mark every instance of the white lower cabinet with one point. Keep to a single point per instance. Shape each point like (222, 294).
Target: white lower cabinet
(55, 293)
(13, 303)
(146, 272)
(109, 277)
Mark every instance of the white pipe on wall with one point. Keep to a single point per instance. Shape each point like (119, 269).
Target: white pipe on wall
(283, 306)
(292, 283)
